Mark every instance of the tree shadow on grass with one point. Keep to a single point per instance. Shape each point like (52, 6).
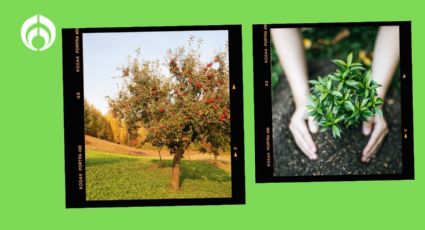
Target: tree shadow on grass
(109, 160)
(198, 170)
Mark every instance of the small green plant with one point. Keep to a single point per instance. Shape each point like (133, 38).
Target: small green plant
(344, 98)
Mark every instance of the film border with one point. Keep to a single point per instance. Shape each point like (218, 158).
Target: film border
(74, 119)
(263, 110)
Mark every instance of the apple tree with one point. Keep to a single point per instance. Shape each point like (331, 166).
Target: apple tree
(186, 100)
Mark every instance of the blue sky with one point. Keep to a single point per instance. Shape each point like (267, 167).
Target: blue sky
(104, 53)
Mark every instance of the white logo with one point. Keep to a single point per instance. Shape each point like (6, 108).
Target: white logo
(38, 25)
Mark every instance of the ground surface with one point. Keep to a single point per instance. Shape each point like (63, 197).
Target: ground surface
(106, 146)
(130, 173)
(336, 156)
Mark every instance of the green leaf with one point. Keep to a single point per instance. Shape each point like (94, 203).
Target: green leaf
(340, 63)
(330, 117)
(311, 107)
(349, 59)
(347, 94)
(368, 78)
(349, 105)
(335, 109)
(340, 86)
(379, 101)
(345, 74)
(320, 88)
(357, 68)
(312, 98)
(328, 86)
(336, 93)
(311, 113)
(340, 118)
(367, 113)
(351, 82)
(333, 77)
(323, 96)
(366, 93)
(313, 82)
(335, 131)
(374, 85)
(364, 102)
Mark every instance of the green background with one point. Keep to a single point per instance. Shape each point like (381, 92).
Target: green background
(32, 187)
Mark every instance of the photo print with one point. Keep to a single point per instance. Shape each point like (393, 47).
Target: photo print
(333, 101)
(153, 116)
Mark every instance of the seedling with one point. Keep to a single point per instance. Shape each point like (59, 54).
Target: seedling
(345, 97)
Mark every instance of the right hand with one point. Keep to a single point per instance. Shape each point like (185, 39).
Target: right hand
(301, 133)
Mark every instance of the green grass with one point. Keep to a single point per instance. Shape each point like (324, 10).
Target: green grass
(111, 176)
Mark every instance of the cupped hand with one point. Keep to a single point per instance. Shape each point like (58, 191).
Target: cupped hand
(377, 127)
(301, 133)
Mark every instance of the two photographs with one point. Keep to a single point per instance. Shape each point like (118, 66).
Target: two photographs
(154, 115)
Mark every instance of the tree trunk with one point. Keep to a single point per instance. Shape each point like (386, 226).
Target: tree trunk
(175, 171)
(160, 159)
(178, 155)
(215, 159)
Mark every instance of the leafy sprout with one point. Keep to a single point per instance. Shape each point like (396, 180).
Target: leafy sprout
(345, 97)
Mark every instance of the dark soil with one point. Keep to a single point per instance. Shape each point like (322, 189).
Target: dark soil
(336, 156)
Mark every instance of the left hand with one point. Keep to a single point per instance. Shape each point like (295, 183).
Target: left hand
(377, 127)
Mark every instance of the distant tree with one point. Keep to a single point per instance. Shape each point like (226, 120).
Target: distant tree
(95, 124)
(118, 128)
(115, 126)
(190, 103)
(88, 119)
(123, 133)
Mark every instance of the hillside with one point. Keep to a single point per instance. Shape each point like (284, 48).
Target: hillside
(93, 143)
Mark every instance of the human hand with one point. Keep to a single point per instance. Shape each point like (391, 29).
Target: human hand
(377, 128)
(301, 133)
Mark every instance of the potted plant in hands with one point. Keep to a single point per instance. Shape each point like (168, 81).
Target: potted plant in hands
(344, 98)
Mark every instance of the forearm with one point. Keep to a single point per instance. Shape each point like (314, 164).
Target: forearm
(290, 50)
(386, 57)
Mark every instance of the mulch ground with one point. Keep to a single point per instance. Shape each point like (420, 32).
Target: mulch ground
(336, 156)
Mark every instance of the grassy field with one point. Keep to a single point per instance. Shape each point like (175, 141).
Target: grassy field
(118, 176)
(96, 144)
